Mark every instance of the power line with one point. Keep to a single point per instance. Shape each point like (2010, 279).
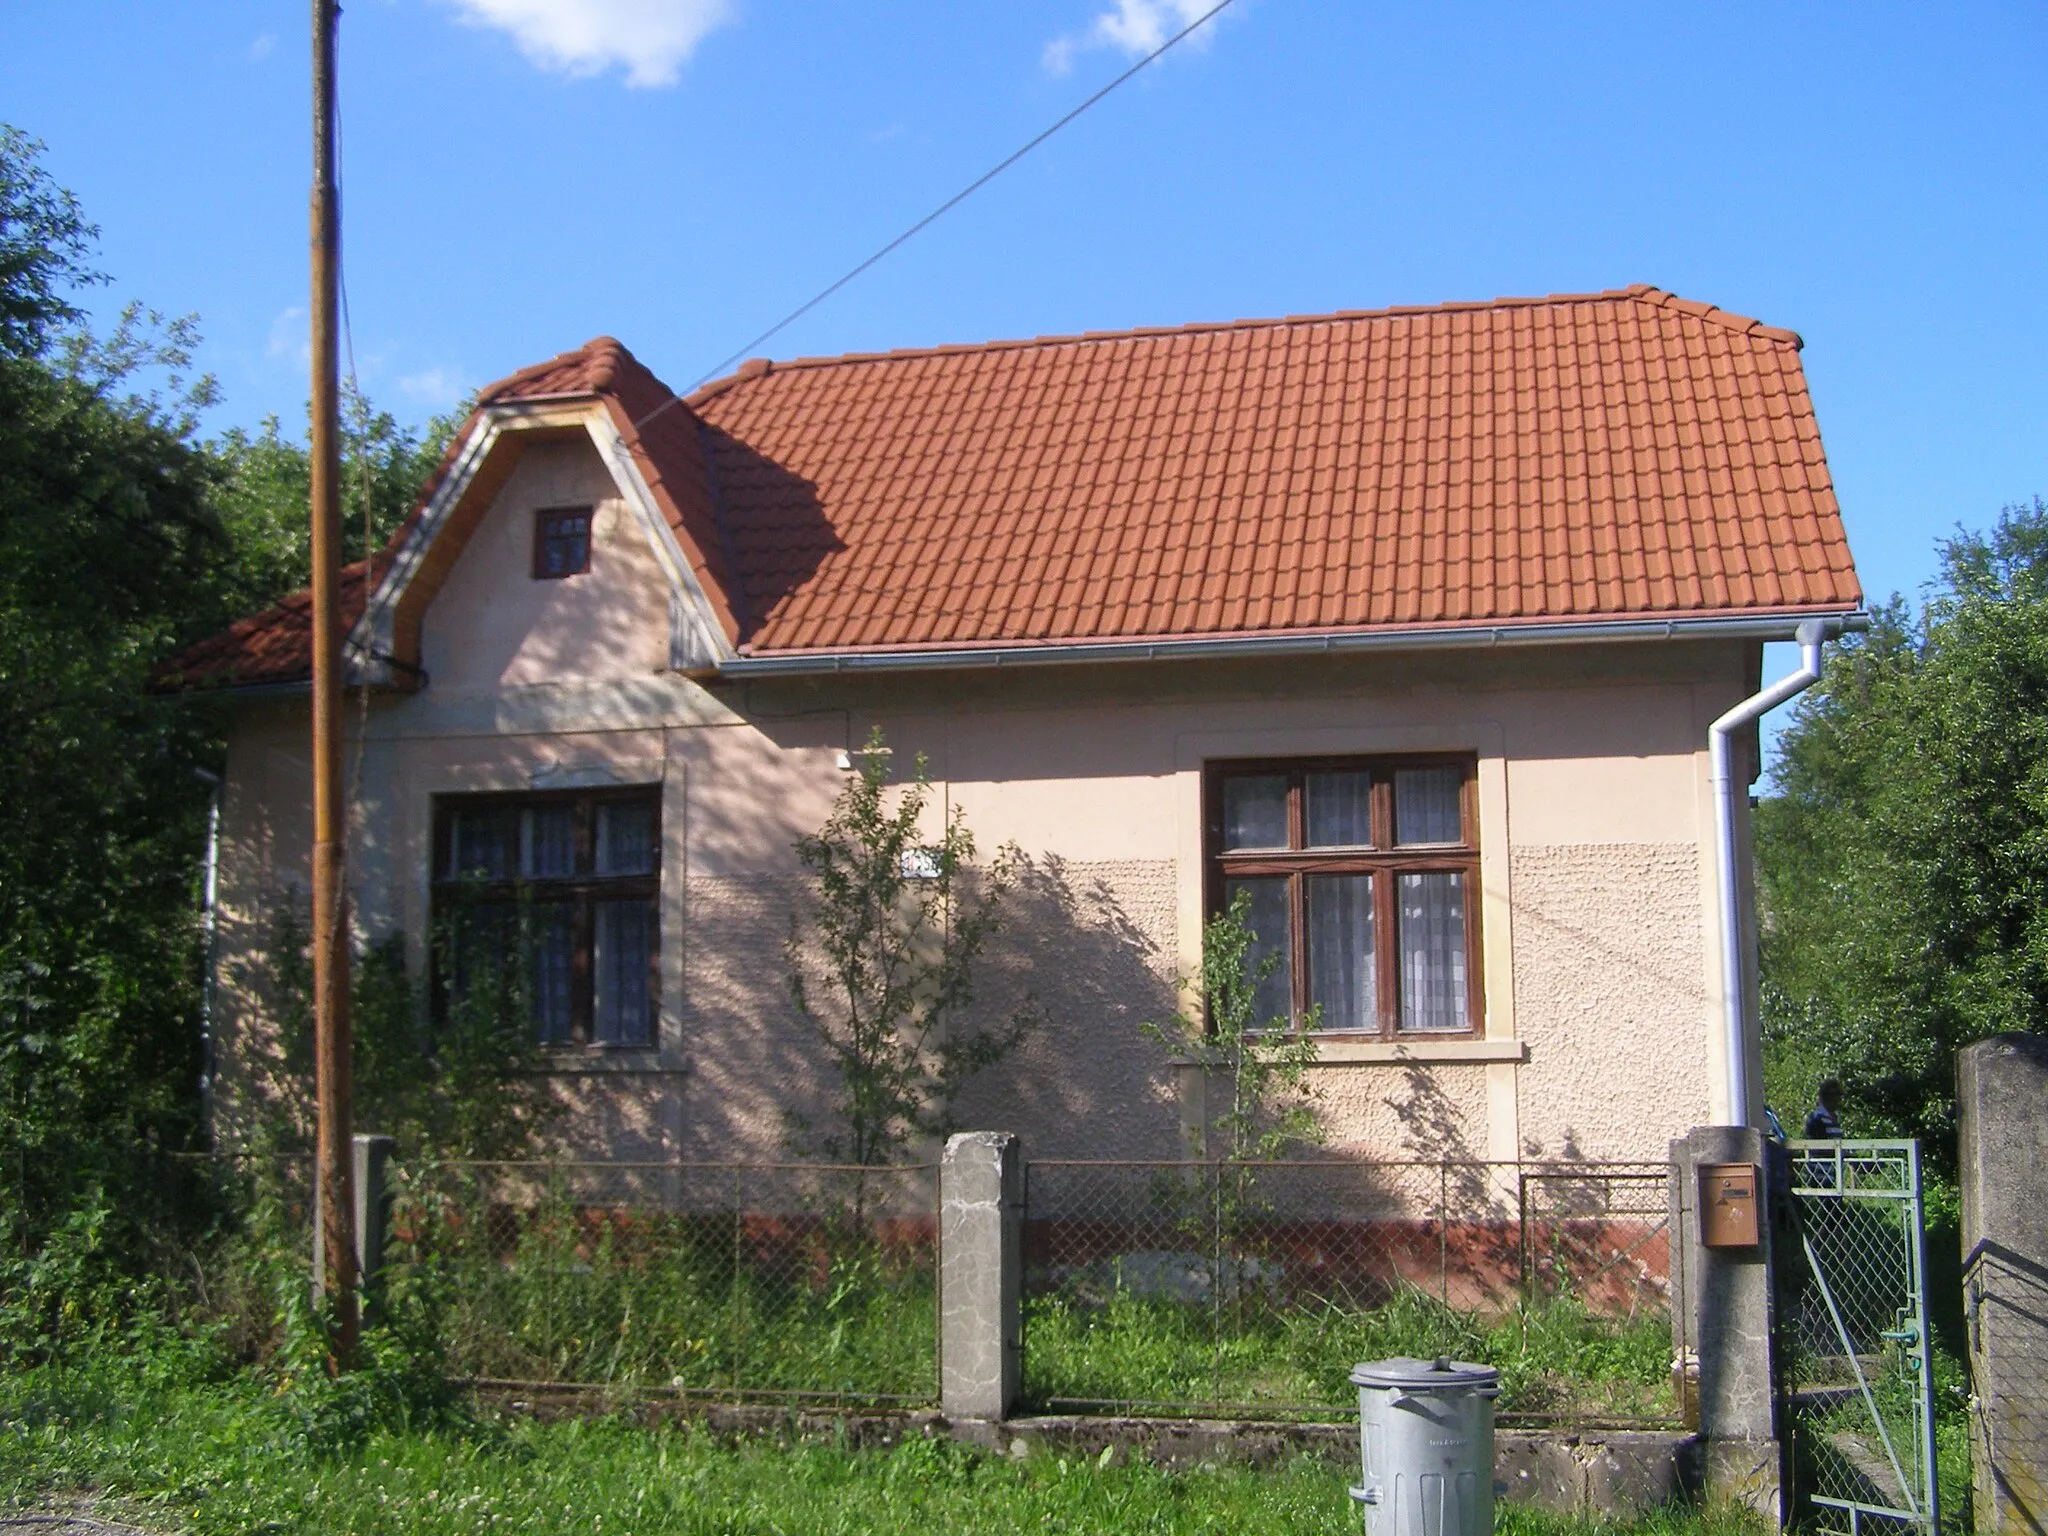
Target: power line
(947, 206)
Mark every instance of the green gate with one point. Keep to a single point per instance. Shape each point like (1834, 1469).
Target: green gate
(1853, 1347)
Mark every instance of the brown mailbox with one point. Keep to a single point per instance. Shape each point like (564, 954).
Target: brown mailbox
(1728, 1205)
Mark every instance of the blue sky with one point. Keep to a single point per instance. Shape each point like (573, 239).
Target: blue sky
(524, 174)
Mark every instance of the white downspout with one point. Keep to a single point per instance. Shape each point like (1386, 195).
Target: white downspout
(210, 926)
(1811, 635)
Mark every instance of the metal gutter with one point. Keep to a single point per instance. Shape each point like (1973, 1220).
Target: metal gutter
(1463, 637)
(1736, 1024)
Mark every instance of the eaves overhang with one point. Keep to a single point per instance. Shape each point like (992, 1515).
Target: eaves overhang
(1776, 625)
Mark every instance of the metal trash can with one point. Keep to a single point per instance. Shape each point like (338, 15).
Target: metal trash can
(1425, 1440)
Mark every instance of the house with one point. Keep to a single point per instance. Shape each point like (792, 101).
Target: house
(1410, 624)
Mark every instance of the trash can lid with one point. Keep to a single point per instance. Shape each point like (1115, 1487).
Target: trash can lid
(1422, 1375)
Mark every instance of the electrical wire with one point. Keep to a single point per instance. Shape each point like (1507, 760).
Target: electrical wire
(947, 206)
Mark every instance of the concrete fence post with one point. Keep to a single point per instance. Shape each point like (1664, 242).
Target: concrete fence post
(373, 1205)
(981, 1274)
(2002, 1121)
(1729, 1304)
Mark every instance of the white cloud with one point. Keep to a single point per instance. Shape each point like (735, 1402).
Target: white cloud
(1132, 27)
(289, 337)
(650, 39)
(263, 47)
(436, 388)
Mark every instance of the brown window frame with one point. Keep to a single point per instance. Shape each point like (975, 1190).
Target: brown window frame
(1384, 860)
(583, 890)
(540, 540)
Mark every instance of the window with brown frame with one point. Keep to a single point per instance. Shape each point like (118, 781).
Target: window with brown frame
(1363, 877)
(565, 887)
(561, 542)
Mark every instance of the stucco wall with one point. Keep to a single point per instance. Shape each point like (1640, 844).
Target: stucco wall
(492, 626)
(1595, 828)
(1609, 967)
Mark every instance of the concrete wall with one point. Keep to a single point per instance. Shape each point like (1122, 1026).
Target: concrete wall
(1595, 828)
(2002, 1110)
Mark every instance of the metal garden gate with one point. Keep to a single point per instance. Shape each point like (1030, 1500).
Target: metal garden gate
(1853, 1346)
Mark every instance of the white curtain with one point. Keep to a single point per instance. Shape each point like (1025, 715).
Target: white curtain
(1343, 975)
(1426, 805)
(1255, 811)
(1271, 927)
(554, 961)
(1432, 936)
(1340, 810)
(549, 842)
(625, 947)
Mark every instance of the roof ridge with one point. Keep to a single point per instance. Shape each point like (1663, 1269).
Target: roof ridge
(1647, 293)
(1715, 315)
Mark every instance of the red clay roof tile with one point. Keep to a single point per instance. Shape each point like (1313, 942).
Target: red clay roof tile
(1602, 455)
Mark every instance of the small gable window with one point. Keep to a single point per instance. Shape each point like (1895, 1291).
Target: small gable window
(561, 543)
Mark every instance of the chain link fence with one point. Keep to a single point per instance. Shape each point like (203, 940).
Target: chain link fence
(736, 1280)
(1250, 1289)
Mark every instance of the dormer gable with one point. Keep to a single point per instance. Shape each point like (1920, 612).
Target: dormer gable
(572, 432)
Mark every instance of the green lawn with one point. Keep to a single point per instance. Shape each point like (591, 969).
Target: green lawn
(248, 1453)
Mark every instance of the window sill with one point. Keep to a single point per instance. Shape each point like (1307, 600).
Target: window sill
(606, 1060)
(1339, 1052)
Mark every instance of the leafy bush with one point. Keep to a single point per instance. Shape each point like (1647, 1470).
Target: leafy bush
(881, 965)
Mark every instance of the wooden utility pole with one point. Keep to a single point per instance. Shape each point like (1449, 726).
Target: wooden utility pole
(335, 1248)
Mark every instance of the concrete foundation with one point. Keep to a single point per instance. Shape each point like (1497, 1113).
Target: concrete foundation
(981, 1275)
(2002, 1103)
(1723, 1314)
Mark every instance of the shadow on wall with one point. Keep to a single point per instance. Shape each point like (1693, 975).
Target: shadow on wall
(262, 1083)
(1084, 1083)
(1090, 946)
(1433, 1129)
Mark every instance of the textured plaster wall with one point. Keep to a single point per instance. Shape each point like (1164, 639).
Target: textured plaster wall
(1419, 1111)
(754, 1066)
(266, 846)
(1088, 947)
(1083, 948)
(1610, 996)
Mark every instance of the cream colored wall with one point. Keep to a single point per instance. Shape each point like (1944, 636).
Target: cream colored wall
(1595, 827)
(493, 627)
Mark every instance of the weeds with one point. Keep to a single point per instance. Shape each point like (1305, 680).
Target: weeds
(214, 1460)
(709, 1301)
(1555, 1357)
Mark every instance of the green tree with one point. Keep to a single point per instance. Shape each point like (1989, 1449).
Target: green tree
(883, 969)
(45, 247)
(123, 537)
(265, 484)
(1261, 1064)
(1903, 853)
(110, 555)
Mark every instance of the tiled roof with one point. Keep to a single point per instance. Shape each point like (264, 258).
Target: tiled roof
(271, 647)
(1612, 455)
(1618, 454)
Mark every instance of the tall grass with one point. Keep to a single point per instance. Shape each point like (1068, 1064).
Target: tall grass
(220, 1458)
(1555, 1357)
(694, 1301)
